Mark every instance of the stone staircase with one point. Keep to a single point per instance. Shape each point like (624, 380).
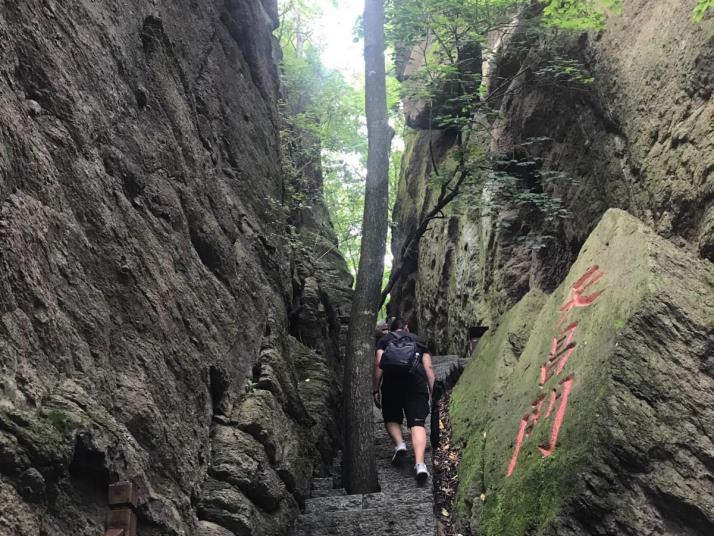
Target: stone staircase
(401, 508)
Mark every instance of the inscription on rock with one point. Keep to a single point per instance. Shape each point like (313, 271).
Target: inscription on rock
(562, 349)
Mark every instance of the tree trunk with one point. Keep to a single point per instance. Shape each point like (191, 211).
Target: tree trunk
(359, 470)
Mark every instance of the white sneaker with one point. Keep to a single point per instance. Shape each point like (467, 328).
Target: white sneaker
(399, 452)
(422, 473)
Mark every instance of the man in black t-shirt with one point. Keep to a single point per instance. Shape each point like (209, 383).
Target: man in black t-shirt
(404, 393)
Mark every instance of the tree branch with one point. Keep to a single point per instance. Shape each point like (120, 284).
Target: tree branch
(447, 194)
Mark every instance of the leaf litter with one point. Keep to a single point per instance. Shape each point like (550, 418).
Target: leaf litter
(446, 477)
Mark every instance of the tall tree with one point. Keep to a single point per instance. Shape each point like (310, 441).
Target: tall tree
(359, 470)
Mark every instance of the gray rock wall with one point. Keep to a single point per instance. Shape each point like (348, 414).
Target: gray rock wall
(149, 279)
(639, 138)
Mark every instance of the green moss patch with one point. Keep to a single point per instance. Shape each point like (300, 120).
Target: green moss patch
(42, 438)
(481, 388)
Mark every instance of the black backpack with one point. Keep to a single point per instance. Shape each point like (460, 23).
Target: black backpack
(402, 355)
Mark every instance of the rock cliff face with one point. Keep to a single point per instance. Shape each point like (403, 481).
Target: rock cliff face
(586, 408)
(161, 320)
(639, 138)
(591, 411)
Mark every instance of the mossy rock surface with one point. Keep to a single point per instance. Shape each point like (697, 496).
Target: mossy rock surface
(634, 398)
(260, 416)
(30, 438)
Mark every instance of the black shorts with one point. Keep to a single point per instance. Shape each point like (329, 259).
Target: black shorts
(405, 396)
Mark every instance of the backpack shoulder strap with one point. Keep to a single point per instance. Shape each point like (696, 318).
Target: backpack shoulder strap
(392, 337)
(403, 336)
(421, 342)
(389, 338)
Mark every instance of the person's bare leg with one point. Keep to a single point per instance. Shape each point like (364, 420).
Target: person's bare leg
(394, 429)
(419, 443)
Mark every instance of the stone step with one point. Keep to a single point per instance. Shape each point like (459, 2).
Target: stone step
(402, 520)
(382, 499)
(327, 492)
(398, 483)
(402, 507)
(414, 495)
(398, 487)
(333, 503)
(323, 483)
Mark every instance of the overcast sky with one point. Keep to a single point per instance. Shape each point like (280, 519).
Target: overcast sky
(336, 27)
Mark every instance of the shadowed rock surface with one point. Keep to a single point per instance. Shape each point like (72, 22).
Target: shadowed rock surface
(150, 280)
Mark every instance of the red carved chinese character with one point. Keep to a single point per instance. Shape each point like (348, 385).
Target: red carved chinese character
(549, 449)
(517, 447)
(553, 396)
(528, 421)
(561, 348)
(576, 298)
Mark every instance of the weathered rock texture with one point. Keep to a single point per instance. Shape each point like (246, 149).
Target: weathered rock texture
(640, 137)
(634, 453)
(592, 411)
(149, 278)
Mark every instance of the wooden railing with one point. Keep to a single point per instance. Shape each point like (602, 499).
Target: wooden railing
(121, 518)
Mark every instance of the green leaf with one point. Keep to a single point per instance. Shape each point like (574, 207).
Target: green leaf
(701, 9)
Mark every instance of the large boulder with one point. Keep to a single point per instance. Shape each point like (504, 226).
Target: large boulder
(241, 461)
(223, 505)
(260, 416)
(603, 424)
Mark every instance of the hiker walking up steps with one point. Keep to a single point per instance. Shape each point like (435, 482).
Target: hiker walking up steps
(403, 382)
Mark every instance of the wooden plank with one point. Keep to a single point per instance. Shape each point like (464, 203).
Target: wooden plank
(123, 519)
(122, 494)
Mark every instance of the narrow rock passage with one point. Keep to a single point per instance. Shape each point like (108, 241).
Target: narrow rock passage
(402, 507)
